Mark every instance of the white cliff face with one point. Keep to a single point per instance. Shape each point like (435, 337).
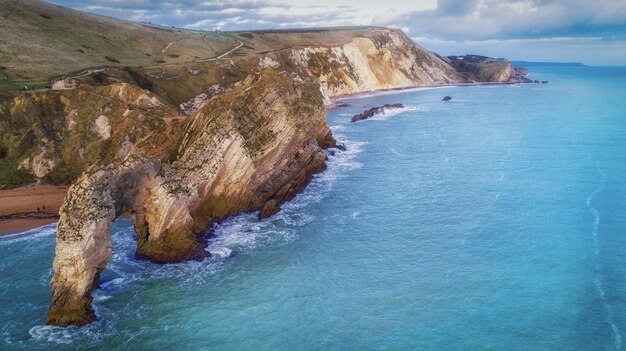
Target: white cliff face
(389, 60)
(102, 127)
(40, 164)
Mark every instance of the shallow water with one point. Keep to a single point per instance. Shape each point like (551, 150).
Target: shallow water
(494, 221)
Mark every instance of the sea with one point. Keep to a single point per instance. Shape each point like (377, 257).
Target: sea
(494, 221)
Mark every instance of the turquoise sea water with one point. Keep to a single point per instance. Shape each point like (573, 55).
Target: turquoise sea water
(493, 222)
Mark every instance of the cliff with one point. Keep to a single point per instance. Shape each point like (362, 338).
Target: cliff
(388, 59)
(250, 148)
(477, 69)
(180, 146)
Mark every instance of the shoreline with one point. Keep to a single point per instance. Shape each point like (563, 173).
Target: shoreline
(22, 209)
(338, 98)
(29, 207)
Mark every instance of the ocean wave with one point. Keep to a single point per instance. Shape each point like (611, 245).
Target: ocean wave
(388, 113)
(244, 233)
(51, 333)
(599, 279)
(43, 231)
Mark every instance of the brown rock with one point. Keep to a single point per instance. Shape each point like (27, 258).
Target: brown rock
(374, 111)
(251, 148)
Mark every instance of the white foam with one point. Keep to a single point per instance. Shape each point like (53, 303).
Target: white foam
(51, 333)
(244, 233)
(46, 230)
(115, 281)
(387, 113)
(223, 252)
(101, 298)
(598, 281)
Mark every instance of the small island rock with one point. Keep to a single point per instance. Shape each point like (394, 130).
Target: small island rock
(374, 111)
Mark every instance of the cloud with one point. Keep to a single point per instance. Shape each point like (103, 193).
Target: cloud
(491, 19)
(440, 24)
(222, 14)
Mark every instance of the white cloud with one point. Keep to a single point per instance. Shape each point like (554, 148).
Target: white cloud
(475, 23)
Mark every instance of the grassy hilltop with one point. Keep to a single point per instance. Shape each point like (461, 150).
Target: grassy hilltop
(41, 41)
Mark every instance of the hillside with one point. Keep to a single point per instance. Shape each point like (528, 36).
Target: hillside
(40, 41)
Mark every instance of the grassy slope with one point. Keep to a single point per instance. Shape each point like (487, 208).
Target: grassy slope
(263, 41)
(40, 41)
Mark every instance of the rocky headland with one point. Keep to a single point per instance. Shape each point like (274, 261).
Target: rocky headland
(180, 146)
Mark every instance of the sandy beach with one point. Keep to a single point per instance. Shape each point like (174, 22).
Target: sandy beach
(29, 207)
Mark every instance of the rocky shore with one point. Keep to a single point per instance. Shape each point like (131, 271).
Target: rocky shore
(375, 111)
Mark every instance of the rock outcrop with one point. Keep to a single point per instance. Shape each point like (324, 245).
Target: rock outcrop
(482, 69)
(387, 60)
(251, 148)
(375, 111)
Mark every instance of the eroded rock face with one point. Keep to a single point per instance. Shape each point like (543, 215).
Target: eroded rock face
(481, 69)
(387, 60)
(84, 236)
(375, 111)
(251, 148)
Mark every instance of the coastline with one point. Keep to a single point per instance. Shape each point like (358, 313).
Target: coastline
(338, 98)
(29, 207)
(18, 206)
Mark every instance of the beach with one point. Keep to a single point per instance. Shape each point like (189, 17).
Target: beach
(29, 207)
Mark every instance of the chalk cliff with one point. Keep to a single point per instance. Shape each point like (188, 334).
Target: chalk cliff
(388, 59)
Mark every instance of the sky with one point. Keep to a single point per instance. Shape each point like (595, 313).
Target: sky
(588, 31)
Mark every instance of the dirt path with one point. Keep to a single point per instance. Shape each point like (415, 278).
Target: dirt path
(88, 72)
(164, 50)
(222, 55)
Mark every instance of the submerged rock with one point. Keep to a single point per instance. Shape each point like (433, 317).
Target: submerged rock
(446, 98)
(374, 111)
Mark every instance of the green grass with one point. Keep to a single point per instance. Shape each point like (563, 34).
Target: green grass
(40, 41)
(8, 86)
(11, 177)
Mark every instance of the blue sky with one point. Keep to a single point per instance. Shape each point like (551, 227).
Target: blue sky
(589, 31)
